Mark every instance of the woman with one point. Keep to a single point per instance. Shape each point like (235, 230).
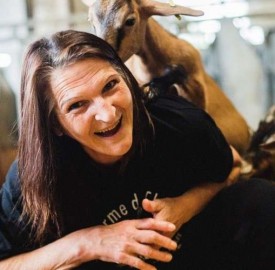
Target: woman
(103, 182)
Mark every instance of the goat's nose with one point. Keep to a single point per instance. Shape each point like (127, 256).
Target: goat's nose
(105, 112)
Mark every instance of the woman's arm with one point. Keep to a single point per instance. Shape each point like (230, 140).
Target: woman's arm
(181, 209)
(124, 243)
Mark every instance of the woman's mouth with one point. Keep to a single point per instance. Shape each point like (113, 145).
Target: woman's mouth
(108, 132)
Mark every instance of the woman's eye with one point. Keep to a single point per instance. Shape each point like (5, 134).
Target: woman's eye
(110, 85)
(76, 105)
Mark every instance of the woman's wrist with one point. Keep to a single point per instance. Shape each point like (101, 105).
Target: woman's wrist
(65, 253)
(58, 255)
(85, 245)
(62, 254)
(198, 197)
(77, 248)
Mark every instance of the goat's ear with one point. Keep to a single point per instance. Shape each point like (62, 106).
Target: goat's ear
(88, 2)
(164, 9)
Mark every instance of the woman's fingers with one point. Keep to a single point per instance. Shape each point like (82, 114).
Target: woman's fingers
(127, 242)
(155, 239)
(151, 206)
(156, 225)
(149, 233)
(152, 253)
(134, 261)
(136, 256)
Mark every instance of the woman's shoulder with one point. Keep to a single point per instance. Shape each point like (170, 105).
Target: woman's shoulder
(173, 103)
(190, 137)
(179, 114)
(12, 237)
(10, 190)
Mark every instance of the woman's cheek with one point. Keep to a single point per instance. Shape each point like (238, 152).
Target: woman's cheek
(72, 124)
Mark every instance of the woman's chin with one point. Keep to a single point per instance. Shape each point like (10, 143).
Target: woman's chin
(113, 152)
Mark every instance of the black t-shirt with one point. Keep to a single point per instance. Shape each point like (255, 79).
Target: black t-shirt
(187, 149)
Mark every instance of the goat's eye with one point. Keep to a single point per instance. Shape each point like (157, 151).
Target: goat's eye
(130, 22)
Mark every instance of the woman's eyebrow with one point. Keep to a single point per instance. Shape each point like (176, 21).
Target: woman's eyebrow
(62, 103)
(105, 78)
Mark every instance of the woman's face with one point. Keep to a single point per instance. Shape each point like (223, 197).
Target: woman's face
(94, 106)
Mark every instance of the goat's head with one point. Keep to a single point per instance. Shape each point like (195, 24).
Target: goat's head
(122, 23)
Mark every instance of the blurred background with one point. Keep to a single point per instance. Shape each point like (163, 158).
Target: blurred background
(236, 39)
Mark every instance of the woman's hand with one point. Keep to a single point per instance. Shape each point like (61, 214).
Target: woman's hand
(177, 210)
(127, 242)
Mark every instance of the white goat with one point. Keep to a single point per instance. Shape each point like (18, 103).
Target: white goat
(148, 49)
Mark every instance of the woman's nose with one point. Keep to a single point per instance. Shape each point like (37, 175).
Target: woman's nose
(105, 111)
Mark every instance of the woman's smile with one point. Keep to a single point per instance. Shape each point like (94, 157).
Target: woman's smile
(110, 131)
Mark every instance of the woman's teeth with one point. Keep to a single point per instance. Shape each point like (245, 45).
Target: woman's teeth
(110, 131)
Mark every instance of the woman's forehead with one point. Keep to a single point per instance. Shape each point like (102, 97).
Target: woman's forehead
(82, 72)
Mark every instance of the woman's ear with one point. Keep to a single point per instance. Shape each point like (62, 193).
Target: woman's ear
(58, 132)
(57, 129)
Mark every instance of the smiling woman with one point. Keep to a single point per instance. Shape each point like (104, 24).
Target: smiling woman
(104, 179)
(94, 106)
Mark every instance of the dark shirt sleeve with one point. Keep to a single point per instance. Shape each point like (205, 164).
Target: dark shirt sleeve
(9, 214)
(194, 142)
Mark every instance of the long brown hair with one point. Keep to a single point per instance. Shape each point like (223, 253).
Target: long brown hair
(38, 143)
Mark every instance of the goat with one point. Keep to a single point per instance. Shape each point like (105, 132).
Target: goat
(147, 48)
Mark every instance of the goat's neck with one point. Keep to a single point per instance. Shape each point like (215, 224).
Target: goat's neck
(139, 69)
(156, 47)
